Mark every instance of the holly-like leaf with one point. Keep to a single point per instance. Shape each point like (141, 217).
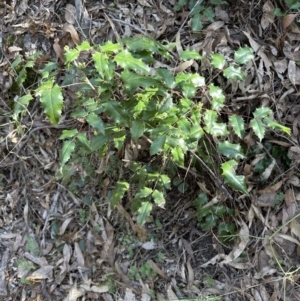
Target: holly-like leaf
(243, 55)
(51, 99)
(137, 129)
(118, 193)
(138, 44)
(66, 151)
(232, 151)
(144, 212)
(68, 134)
(21, 104)
(218, 60)
(71, 55)
(210, 222)
(234, 73)
(276, 126)
(187, 54)
(210, 118)
(103, 65)
(110, 47)
(143, 193)
(196, 23)
(82, 139)
(157, 145)
(158, 198)
(127, 61)
(217, 96)
(116, 111)
(262, 112)
(209, 14)
(178, 155)
(96, 122)
(234, 181)
(84, 46)
(167, 77)
(258, 128)
(237, 123)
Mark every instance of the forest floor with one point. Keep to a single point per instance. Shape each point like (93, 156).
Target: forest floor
(63, 242)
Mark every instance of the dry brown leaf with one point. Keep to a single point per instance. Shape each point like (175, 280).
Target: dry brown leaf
(58, 51)
(74, 35)
(144, 3)
(78, 254)
(266, 174)
(295, 56)
(271, 189)
(294, 73)
(70, 13)
(74, 293)
(287, 20)
(64, 225)
(268, 15)
(157, 269)
(183, 66)
(45, 272)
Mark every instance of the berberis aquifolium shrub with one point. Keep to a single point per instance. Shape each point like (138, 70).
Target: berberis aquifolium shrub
(122, 97)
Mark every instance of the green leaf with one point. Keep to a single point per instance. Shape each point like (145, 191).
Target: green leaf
(218, 60)
(179, 4)
(178, 155)
(51, 99)
(234, 73)
(96, 122)
(144, 212)
(262, 112)
(258, 128)
(187, 54)
(138, 44)
(66, 151)
(232, 151)
(201, 200)
(167, 77)
(110, 47)
(127, 61)
(71, 55)
(210, 222)
(210, 118)
(117, 112)
(157, 145)
(84, 46)
(230, 177)
(196, 23)
(165, 181)
(118, 193)
(217, 96)
(82, 139)
(103, 66)
(137, 129)
(143, 193)
(21, 104)
(278, 12)
(48, 69)
(158, 198)
(209, 14)
(276, 126)
(243, 55)
(237, 123)
(68, 134)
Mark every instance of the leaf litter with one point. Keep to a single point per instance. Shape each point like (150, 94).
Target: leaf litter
(44, 248)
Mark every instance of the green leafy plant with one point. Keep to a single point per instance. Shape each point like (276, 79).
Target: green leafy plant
(199, 11)
(144, 272)
(122, 100)
(291, 5)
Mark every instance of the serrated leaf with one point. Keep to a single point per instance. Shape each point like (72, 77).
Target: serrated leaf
(137, 44)
(167, 77)
(196, 23)
(96, 122)
(48, 69)
(110, 47)
(237, 123)
(21, 104)
(143, 193)
(209, 118)
(133, 80)
(210, 222)
(201, 200)
(144, 212)
(127, 61)
(243, 55)
(158, 198)
(217, 96)
(66, 151)
(258, 128)
(118, 193)
(68, 134)
(137, 129)
(82, 139)
(116, 111)
(84, 46)
(218, 60)
(187, 54)
(262, 112)
(276, 126)
(71, 55)
(209, 14)
(165, 181)
(234, 181)
(232, 151)
(157, 145)
(103, 66)
(234, 73)
(178, 155)
(51, 99)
